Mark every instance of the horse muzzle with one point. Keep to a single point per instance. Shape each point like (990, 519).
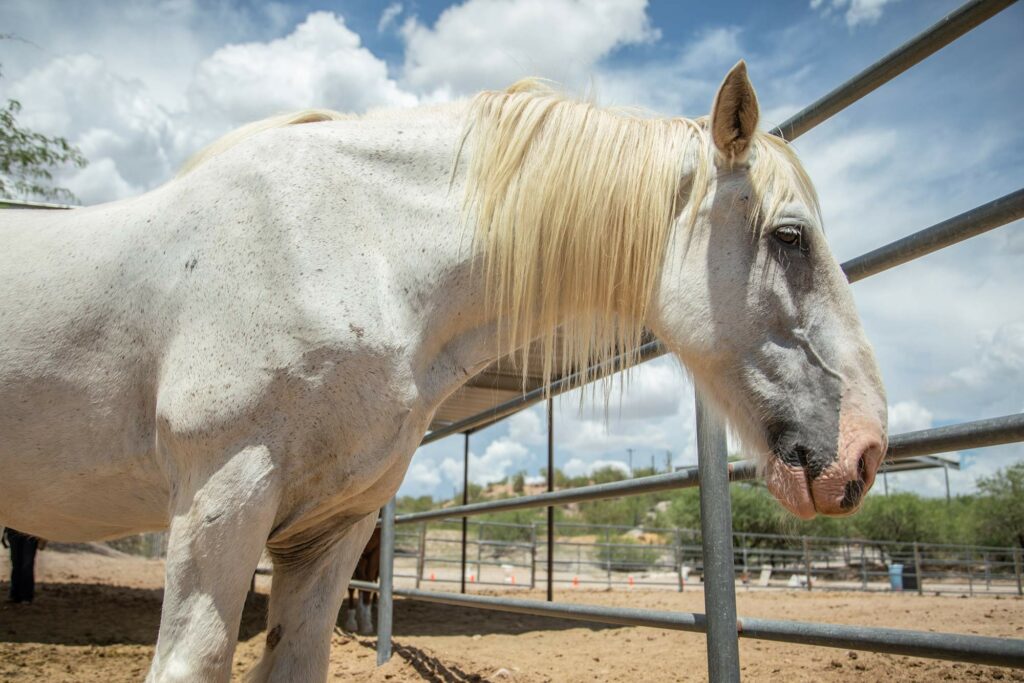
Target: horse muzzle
(809, 480)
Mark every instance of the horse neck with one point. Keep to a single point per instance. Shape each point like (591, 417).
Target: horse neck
(430, 252)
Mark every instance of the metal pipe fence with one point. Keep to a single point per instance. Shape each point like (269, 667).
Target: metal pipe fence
(720, 623)
(975, 434)
(967, 648)
(675, 561)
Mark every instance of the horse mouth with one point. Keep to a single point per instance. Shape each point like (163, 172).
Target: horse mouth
(791, 486)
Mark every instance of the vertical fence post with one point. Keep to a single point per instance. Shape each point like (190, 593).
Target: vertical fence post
(479, 550)
(1017, 569)
(387, 574)
(465, 501)
(988, 572)
(945, 470)
(677, 540)
(863, 567)
(807, 562)
(917, 569)
(551, 509)
(421, 561)
(533, 555)
(608, 557)
(746, 567)
(716, 539)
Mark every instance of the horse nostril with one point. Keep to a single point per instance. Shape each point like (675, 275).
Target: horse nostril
(869, 459)
(855, 488)
(852, 494)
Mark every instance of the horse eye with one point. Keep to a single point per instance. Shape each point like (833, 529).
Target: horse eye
(790, 235)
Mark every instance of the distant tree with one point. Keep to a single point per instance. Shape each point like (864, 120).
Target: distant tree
(28, 158)
(900, 517)
(407, 504)
(475, 494)
(607, 474)
(519, 482)
(999, 512)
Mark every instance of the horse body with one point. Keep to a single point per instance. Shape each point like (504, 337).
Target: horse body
(220, 344)
(250, 354)
(205, 311)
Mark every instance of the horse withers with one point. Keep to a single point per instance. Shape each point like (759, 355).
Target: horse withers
(250, 354)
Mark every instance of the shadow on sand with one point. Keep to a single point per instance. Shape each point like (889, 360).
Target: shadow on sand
(98, 614)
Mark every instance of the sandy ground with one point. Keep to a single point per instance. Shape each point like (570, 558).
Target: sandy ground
(96, 618)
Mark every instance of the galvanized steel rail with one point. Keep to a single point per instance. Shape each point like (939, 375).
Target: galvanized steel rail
(967, 648)
(928, 42)
(994, 214)
(978, 434)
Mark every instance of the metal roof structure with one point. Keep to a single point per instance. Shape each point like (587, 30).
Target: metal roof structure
(498, 383)
(919, 462)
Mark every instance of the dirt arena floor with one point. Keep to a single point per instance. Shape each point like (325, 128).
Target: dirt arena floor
(96, 617)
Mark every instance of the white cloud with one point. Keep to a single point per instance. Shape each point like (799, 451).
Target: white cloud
(527, 427)
(857, 11)
(715, 48)
(388, 16)
(127, 137)
(577, 467)
(322, 63)
(864, 11)
(1000, 357)
(908, 416)
(423, 476)
(501, 458)
(484, 44)
(137, 125)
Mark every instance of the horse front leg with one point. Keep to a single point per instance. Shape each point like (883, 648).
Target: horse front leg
(217, 534)
(305, 597)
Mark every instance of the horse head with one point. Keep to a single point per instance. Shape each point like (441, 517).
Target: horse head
(754, 303)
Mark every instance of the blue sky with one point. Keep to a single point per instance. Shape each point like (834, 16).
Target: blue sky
(142, 85)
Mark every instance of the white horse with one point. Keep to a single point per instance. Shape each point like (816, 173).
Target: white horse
(250, 354)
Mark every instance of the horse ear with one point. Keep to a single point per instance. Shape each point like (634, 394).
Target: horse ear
(734, 114)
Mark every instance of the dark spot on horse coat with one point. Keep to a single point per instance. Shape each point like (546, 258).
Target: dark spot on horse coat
(274, 637)
(191, 264)
(357, 330)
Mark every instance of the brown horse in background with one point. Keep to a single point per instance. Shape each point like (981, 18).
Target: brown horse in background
(359, 613)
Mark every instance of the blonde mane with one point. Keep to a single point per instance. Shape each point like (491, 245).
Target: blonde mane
(573, 205)
(247, 131)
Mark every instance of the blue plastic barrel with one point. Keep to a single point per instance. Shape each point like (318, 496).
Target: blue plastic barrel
(896, 576)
